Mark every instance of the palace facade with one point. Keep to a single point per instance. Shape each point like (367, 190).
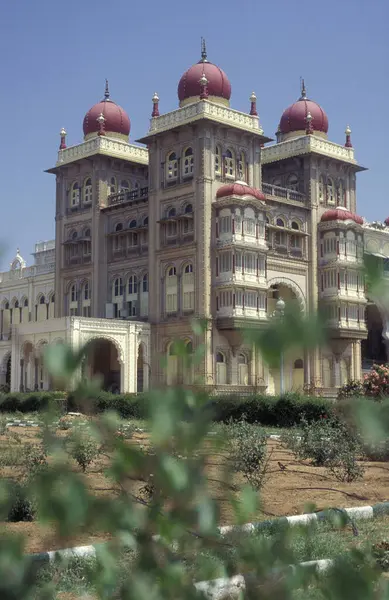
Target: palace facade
(205, 216)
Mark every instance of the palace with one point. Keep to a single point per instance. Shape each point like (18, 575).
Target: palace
(205, 216)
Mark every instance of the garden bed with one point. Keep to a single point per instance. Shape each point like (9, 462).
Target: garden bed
(291, 487)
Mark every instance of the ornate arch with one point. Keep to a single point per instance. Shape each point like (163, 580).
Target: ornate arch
(293, 286)
(88, 339)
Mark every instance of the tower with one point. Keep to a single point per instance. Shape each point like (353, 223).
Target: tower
(324, 176)
(197, 154)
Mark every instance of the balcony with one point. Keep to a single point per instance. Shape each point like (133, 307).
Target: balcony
(238, 239)
(130, 197)
(242, 278)
(282, 193)
(347, 328)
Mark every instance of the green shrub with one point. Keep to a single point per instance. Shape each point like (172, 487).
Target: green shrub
(272, 411)
(82, 446)
(328, 443)
(248, 451)
(21, 507)
(32, 401)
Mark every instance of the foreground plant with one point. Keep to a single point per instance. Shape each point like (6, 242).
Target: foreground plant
(170, 536)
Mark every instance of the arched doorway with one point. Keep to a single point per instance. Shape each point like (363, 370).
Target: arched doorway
(298, 375)
(292, 372)
(243, 369)
(102, 361)
(373, 348)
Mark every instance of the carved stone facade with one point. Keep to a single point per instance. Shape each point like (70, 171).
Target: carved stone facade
(202, 221)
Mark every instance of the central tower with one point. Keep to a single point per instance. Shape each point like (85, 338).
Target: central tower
(193, 152)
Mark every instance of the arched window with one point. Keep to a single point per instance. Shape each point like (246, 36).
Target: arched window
(112, 188)
(6, 306)
(132, 285)
(280, 222)
(16, 304)
(280, 236)
(267, 233)
(145, 221)
(172, 365)
(321, 189)
(351, 243)
(26, 303)
(171, 167)
(221, 369)
(88, 191)
(132, 296)
(243, 371)
(330, 191)
(87, 233)
(73, 293)
(52, 299)
(132, 224)
(118, 287)
(188, 294)
(295, 242)
(298, 364)
(171, 290)
(75, 194)
(218, 156)
(188, 364)
(124, 185)
(188, 163)
(144, 296)
(145, 283)
(42, 300)
(171, 230)
(293, 182)
(188, 209)
(242, 167)
(86, 291)
(119, 227)
(295, 225)
(85, 298)
(340, 196)
(229, 164)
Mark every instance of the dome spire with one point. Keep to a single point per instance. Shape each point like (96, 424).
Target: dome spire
(348, 143)
(155, 100)
(62, 133)
(203, 51)
(303, 89)
(106, 93)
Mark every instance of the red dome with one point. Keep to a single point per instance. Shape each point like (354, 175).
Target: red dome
(116, 119)
(238, 188)
(294, 117)
(386, 221)
(341, 214)
(218, 83)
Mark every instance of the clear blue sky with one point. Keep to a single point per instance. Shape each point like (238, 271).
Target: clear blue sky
(56, 55)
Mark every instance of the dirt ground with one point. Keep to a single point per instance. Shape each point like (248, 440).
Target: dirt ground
(287, 491)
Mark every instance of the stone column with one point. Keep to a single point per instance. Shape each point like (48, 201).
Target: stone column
(21, 386)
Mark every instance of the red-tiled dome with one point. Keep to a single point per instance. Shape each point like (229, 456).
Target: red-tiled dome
(218, 82)
(116, 118)
(239, 188)
(340, 214)
(387, 221)
(294, 117)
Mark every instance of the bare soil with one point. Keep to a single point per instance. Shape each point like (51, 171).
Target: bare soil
(289, 490)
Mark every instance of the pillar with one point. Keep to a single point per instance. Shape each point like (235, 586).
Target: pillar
(21, 386)
(36, 368)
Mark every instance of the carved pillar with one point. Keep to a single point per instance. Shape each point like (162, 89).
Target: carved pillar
(21, 386)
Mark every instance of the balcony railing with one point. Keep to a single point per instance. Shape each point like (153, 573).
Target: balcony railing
(280, 192)
(128, 197)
